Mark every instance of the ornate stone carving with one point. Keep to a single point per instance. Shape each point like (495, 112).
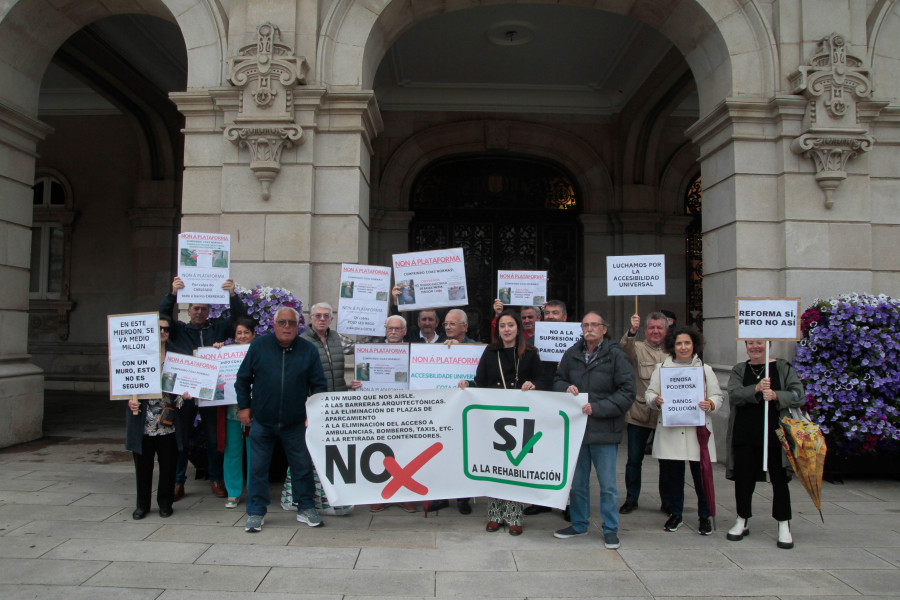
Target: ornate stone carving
(834, 82)
(266, 73)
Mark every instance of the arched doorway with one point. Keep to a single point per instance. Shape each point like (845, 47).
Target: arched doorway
(517, 213)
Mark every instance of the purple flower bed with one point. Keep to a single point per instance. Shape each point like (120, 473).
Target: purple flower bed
(848, 360)
(261, 303)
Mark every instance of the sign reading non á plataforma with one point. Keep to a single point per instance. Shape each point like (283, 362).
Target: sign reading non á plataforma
(767, 318)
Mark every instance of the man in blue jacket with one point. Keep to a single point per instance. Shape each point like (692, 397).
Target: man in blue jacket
(282, 370)
(599, 367)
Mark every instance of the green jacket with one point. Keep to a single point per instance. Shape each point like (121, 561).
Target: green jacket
(332, 360)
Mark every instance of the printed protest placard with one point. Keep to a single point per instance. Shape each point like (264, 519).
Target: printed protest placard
(639, 275)
(382, 366)
(133, 356)
(203, 266)
(197, 376)
(229, 359)
(433, 366)
(522, 288)
(767, 318)
(431, 279)
(418, 445)
(363, 305)
(682, 391)
(553, 339)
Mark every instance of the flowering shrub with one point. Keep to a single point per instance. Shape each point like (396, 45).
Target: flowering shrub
(848, 360)
(261, 303)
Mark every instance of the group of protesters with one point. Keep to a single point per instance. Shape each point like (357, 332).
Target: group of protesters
(621, 380)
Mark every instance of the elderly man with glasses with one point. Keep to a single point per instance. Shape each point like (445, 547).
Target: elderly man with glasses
(597, 366)
(283, 370)
(332, 346)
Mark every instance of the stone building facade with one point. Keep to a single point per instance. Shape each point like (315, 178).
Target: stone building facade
(318, 133)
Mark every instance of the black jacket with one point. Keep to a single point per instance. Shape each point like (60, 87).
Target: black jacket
(184, 338)
(609, 383)
(487, 375)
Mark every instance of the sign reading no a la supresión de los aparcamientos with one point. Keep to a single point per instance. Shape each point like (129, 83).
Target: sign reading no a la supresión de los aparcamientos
(431, 279)
(197, 376)
(435, 366)
(767, 318)
(422, 445)
(382, 366)
(204, 265)
(682, 390)
(553, 339)
(363, 303)
(522, 288)
(133, 356)
(229, 359)
(639, 275)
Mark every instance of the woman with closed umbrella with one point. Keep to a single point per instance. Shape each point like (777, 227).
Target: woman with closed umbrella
(749, 388)
(674, 445)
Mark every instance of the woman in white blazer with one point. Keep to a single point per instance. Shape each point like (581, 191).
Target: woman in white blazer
(674, 445)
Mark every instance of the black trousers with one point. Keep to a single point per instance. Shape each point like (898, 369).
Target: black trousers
(165, 447)
(747, 468)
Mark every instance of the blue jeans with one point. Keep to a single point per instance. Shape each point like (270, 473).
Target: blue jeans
(262, 442)
(604, 458)
(671, 482)
(637, 444)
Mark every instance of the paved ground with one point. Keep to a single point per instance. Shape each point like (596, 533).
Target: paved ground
(66, 532)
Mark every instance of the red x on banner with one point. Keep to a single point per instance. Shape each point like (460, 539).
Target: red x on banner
(403, 476)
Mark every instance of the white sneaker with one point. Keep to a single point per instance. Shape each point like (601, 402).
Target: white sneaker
(785, 539)
(232, 502)
(739, 530)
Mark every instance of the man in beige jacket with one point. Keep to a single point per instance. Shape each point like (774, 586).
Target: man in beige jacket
(644, 356)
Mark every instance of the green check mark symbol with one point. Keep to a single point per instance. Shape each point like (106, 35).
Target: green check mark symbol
(525, 450)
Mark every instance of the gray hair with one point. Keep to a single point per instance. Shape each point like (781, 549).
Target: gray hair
(324, 305)
(290, 308)
(657, 316)
(536, 309)
(388, 320)
(464, 318)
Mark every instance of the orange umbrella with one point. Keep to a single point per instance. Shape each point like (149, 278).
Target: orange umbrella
(804, 445)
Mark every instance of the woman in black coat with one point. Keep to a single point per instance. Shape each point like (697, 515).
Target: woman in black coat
(152, 428)
(507, 363)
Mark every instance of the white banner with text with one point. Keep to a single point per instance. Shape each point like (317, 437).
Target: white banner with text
(432, 444)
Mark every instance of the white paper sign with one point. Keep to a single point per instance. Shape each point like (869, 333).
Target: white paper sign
(382, 366)
(433, 366)
(767, 318)
(133, 356)
(553, 339)
(522, 288)
(429, 444)
(363, 305)
(229, 359)
(639, 275)
(682, 390)
(431, 279)
(197, 376)
(203, 266)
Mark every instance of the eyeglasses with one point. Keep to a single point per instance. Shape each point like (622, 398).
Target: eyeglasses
(164, 329)
(395, 328)
(286, 323)
(592, 325)
(321, 316)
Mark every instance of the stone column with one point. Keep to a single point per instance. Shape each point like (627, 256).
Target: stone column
(21, 382)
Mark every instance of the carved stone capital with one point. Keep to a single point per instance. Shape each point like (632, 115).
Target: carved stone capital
(837, 86)
(265, 145)
(830, 155)
(266, 73)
